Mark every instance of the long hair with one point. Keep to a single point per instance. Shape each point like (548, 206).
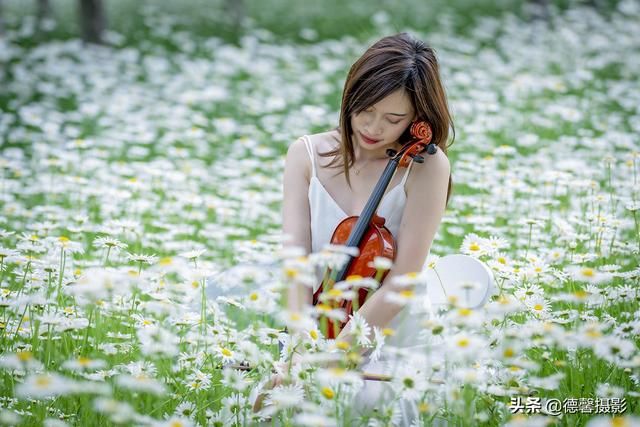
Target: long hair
(392, 63)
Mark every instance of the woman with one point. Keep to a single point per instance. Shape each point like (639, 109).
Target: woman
(393, 84)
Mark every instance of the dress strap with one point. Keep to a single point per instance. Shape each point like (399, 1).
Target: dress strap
(406, 174)
(307, 144)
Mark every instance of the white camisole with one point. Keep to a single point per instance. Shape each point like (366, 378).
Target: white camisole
(326, 214)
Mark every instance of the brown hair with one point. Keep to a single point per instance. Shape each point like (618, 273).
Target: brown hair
(392, 63)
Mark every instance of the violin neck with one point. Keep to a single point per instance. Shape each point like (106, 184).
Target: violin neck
(372, 204)
(358, 231)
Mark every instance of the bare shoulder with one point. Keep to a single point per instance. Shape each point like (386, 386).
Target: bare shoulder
(325, 140)
(297, 159)
(436, 168)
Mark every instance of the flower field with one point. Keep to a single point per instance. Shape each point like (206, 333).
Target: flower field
(133, 173)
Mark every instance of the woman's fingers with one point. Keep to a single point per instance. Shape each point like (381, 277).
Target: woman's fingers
(273, 382)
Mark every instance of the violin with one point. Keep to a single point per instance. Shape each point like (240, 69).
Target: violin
(367, 231)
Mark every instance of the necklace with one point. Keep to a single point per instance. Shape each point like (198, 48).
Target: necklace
(358, 170)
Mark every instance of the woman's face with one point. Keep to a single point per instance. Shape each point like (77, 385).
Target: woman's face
(383, 122)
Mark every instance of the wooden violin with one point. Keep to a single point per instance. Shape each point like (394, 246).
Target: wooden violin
(367, 232)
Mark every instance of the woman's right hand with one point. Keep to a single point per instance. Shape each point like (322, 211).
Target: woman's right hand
(274, 381)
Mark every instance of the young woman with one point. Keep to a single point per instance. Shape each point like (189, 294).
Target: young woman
(329, 176)
(394, 83)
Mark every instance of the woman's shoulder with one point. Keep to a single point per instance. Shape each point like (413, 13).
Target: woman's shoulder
(324, 140)
(435, 167)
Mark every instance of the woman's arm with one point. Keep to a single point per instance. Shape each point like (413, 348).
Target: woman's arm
(296, 218)
(426, 198)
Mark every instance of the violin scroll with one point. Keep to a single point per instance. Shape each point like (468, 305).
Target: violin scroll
(422, 134)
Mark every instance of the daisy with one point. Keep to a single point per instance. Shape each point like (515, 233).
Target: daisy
(378, 344)
(20, 361)
(118, 412)
(43, 386)
(155, 340)
(474, 245)
(333, 376)
(412, 278)
(615, 421)
(356, 281)
(83, 363)
(465, 346)
(359, 328)
(496, 243)
(141, 383)
(235, 379)
(110, 243)
(285, 396)
(174, 421)
(331, 313)
(186, 409)
(337, 295)
(588, 274)
(193, 254)
(408, 382)
(401, 298)
(296, 321)
(314, 420)
(381, 263)
(142, 258)
(227, 355)
(538, 305)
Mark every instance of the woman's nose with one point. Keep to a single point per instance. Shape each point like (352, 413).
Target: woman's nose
(375, 127)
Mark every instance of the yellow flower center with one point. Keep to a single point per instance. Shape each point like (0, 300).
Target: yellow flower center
(580, 294)
(253, 296)
(165, 260)
(387, 332)
(407, 293)
(588, 272)
(24, 356)
(594, 333)
(474, 247)
(463, 342)
(538, 307)
(423, 407)
(508, 352)
(464, 312)
(43, 381)
(227, 352)
(83, 361)
(313, 334)
(290, 272)
(327, 392)
(342, 345)
(619, 422)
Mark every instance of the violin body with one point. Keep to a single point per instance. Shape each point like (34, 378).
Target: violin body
(377, 241)
(367, 231)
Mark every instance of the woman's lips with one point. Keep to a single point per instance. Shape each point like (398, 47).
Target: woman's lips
(368, 140)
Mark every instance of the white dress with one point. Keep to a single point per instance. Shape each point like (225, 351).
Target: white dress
(326, 214)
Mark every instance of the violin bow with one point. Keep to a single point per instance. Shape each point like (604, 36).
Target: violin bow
(365, 375)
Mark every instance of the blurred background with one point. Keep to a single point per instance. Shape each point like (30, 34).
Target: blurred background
(287, 20)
